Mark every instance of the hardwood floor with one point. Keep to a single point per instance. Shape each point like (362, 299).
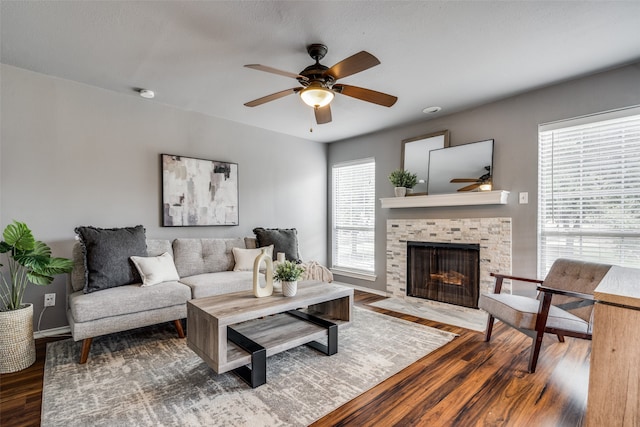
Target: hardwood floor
(465, 383)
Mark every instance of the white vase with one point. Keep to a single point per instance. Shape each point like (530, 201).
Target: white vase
(17, 346)
(289, 289)
(267, 289)
(400, 191)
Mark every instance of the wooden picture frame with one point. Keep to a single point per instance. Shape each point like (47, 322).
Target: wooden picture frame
(415, 156)
(198, 192)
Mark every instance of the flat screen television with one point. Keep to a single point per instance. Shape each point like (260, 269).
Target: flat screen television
(469, 166)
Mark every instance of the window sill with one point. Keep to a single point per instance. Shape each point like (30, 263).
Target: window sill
(371, 277)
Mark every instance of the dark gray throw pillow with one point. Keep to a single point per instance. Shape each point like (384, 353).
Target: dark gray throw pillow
(106, 256)
(283, 240)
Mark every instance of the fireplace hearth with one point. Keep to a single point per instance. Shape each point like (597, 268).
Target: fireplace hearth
(444, 272)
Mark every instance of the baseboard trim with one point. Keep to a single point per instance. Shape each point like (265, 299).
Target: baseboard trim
(63, 330)
(363, 289)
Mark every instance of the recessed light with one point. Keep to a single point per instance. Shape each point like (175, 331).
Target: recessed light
(431, 110)
(146, 93)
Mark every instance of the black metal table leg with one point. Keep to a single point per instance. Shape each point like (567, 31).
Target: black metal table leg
(332, 332)
(257, 374)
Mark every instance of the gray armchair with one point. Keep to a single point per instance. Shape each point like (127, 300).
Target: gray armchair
(569, 286)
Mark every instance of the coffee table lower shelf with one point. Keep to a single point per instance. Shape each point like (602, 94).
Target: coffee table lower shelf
(253, 341)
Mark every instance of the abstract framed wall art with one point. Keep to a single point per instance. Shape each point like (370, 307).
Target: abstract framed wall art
(198, 192)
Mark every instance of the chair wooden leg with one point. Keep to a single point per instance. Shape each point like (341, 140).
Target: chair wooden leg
(487, 335)
(560, 338)
(535, 351)
(86, 346)
(178, 324)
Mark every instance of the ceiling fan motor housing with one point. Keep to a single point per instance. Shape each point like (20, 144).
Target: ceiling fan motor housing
(315, 72)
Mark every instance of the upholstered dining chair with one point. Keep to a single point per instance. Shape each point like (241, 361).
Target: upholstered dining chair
(563, 306)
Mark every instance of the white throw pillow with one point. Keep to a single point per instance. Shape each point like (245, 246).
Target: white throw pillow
(246, 257)
(156, 269)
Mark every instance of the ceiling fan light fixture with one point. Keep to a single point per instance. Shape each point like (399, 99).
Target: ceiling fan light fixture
(316, 96)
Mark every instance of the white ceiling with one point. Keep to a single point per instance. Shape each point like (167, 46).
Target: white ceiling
(453, 54)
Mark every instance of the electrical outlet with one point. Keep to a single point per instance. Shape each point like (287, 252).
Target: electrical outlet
(49, 300)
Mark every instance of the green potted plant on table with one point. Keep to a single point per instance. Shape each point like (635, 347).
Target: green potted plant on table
(28, 261)
(288, 273)
(403, 181)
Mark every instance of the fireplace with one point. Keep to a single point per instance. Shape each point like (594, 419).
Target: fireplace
(444, 272)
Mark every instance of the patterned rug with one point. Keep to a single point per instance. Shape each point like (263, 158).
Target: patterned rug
(463, 317)
(149, 377)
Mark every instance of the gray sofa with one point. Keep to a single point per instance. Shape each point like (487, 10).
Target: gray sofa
(205, 269)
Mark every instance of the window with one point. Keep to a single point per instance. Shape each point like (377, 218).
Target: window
(589, 189)
(354, 217)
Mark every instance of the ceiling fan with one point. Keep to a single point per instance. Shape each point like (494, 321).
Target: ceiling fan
(318, 82)
(481, 183)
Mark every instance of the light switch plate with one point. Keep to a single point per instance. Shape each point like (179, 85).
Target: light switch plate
(523, 198)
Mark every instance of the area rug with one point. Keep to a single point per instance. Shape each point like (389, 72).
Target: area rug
(463, 317)
(149, 377)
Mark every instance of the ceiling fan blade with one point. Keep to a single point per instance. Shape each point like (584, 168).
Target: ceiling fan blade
(464, 180)
(275, 71)
(366, 95)
(272, 97)
(469, 187)
(354, 64)
(323, 114)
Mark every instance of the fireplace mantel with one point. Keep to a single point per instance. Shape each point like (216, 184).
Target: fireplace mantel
(496, 197)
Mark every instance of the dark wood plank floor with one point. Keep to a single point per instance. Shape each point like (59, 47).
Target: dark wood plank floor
(466, 383)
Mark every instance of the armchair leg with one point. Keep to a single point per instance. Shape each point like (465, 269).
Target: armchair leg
(86, 346)
(178, 324)
(535, 351)
(489, 329)
(560, 338)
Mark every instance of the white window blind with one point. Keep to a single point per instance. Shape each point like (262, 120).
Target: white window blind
(354, 215)
(589, 190)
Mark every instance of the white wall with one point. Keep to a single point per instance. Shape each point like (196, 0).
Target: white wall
(513, 124)
(73, 154)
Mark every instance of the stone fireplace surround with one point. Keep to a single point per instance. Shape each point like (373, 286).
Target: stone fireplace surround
(492, 234)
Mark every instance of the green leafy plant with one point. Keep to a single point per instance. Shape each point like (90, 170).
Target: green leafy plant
(28, 261)
(403, 178)
(288, 271)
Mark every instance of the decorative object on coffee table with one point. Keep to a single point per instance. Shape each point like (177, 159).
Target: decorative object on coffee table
(266, 290)
(28, 261)
(288, 273)
(403, 181)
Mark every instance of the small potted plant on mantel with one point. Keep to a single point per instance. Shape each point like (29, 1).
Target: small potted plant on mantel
(403, 181)
(28, 261)
(288, 273)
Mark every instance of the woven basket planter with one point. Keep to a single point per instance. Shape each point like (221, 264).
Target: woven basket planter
(17, 346)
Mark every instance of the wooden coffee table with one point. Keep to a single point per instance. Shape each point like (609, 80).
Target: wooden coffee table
(231, 331)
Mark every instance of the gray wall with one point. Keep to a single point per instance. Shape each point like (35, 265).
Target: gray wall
(73, 154)
(513, 124)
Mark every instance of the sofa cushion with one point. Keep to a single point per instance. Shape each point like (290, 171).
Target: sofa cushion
(199, 256)
(156, 269)
(157, 247)
(106, 255)
(126, 299)
(283, 239)
(209, 284)
(245, 258)
(521, 312)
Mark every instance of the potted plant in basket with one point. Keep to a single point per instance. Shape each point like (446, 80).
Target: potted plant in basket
(402, 180)
(28, 261)
(288, 273)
